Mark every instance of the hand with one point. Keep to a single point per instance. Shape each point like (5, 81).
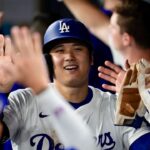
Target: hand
(6, 80)
(113, 74)
(30, 67)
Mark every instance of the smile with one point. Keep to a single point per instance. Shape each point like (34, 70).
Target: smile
(71, 67)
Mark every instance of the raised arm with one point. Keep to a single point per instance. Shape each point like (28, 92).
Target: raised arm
(30, 70)
(91, 16)
(6, 80)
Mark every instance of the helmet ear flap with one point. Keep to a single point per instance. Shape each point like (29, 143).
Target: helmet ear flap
(49, 62)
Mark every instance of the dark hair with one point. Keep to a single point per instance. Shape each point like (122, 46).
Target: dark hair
(41, 21)
(50, 67)
(134, 18)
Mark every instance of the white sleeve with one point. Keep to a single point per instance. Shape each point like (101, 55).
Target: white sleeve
(70, 128)
(140, 140)
(14, 112)
(136, 139)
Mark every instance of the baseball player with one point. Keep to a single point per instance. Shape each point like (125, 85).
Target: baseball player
(30, 118)
(60, 110)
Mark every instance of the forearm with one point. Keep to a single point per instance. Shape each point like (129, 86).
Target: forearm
(91, 16)
(70, 128)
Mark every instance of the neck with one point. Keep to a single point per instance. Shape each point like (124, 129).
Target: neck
(135, 54)
(72, 94)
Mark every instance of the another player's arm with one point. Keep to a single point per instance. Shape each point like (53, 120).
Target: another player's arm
(66, 121)
(86, 12)
(139, 139)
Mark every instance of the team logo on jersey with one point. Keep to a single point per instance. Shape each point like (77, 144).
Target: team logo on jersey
(63, 27)
(39, 141)
(106, 141)
(41, 138)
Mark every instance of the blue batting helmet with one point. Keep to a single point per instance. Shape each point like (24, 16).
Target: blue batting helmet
(66, 29)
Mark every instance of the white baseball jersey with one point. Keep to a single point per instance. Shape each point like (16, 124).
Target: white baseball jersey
(30, 122)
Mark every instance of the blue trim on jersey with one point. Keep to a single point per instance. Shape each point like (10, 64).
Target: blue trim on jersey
(142, 143)
(85, 101)
(137, 122)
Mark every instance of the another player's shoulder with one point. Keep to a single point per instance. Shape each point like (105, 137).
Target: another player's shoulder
(104, 100)
(25, 95)
(21, 92)
(106, 96)
(21, 96)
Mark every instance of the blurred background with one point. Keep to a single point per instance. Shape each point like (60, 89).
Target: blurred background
(38, 14)
(23, 11)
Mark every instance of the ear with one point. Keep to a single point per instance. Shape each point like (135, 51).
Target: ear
(126, 39)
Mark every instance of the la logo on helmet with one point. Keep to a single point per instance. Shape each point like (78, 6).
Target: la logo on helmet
(63, 27)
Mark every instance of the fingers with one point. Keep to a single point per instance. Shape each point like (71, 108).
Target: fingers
(110, 74)
(37, 43)
(1, 45)
(112, 66)
(9, 51)
(107, 77)
(107, 72)
(22, 40)
(17, 38)
(25, 42)
(109, 87)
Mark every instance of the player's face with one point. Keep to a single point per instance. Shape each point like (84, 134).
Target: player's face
(71, 64)
(115, 37)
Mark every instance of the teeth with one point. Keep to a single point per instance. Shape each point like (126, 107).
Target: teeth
(70, 67)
